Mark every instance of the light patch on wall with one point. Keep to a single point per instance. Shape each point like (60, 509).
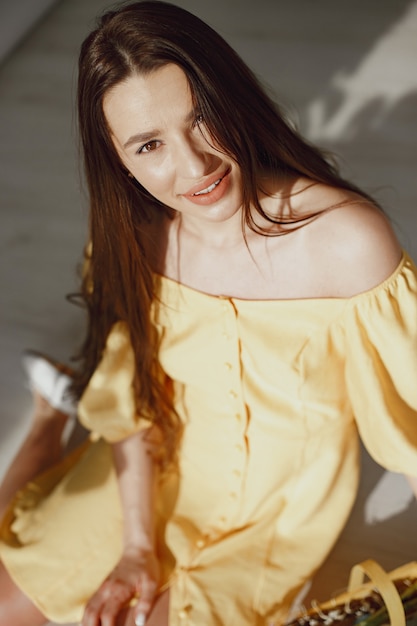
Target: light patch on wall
(391, 495)
(384, 77)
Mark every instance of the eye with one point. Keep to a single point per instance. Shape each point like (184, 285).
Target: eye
(149, 146)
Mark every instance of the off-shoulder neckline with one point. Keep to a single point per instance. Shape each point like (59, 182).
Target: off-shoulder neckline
(404, 261)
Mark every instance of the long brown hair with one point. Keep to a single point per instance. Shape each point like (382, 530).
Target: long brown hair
(138, 38)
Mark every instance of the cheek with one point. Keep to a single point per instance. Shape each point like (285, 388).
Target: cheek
(158, 180)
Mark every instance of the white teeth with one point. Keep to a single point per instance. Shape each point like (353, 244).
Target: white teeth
(208, 190)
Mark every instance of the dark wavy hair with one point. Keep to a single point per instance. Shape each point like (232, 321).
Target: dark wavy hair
(141, 37)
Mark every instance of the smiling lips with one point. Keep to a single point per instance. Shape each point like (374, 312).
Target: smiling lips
(214, 189)
(208, 190)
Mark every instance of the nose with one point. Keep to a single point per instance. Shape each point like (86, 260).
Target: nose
(193, 157)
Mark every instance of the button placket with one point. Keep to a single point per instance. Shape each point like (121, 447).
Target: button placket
(232, 382)
(181, 601)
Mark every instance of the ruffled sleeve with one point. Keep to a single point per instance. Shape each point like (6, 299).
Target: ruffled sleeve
(381, 368)
(107, 407)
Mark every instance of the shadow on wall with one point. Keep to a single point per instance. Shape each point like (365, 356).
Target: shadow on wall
(17, 19)
(385, 71)
(366, 114)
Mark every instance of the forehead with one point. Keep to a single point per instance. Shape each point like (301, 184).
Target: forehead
(148, 99)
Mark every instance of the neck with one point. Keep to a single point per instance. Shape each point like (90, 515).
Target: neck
(222, 235)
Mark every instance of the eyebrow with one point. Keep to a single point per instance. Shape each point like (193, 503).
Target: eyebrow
(141, 138)
(151, 134)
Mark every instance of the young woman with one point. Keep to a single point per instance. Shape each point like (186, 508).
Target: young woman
(249, 312)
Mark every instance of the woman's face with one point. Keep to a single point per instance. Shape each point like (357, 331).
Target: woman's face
(163, 142)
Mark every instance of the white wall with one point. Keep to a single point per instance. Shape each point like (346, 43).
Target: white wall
(16, 18)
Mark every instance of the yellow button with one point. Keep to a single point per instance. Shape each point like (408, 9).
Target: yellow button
(228, 366)
(183, 613)
(232, 393)
(238, 416)
(200, 543)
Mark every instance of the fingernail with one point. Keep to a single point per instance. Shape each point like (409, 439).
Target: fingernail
(140, 619)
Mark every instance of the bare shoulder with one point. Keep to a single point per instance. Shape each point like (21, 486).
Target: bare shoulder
(353, 246)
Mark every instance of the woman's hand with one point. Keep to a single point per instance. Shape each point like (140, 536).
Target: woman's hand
(136, 575)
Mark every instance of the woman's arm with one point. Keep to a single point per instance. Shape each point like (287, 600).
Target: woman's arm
(137, 573)
(134, 460)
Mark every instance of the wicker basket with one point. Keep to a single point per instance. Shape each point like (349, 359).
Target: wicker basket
(388, 599)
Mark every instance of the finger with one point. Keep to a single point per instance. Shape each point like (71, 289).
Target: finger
(104, 613)
(93, 607)
(110, 611)
(91, 613)
(109, 598)
(140, 619)
(146, 598)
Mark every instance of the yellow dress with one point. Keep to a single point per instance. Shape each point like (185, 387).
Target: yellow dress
(272, 395)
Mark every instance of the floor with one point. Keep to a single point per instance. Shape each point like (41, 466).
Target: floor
(346, 74)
